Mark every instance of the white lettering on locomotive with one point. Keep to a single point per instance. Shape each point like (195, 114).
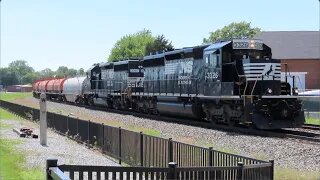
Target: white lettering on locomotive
(211, 75)
(134, 70)
(135, 81)
(184, 80)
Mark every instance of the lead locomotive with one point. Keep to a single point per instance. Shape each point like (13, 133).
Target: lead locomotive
(230, 82)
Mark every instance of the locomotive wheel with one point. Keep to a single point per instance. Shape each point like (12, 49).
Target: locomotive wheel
(210, 118)
(227, 118)
(90, 101)
(116, 104)
(144, 108)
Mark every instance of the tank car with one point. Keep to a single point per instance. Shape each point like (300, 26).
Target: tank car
(54, 89)
(73, 90)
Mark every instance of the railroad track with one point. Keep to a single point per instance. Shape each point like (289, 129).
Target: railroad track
(300, 135)
(283, 133)
(311, 126)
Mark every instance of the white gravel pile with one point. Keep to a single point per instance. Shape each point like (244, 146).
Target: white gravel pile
(59, 147)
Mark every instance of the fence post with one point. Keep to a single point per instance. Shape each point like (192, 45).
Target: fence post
(119, 145)
(210, 160)
(77, 127)
(50, 163)
(141, 148)
(68, 132)
(172, 170)
(170, 149)
(240, 171)
(272, 169)
(102, 146)
(33, 115)
(89, 133)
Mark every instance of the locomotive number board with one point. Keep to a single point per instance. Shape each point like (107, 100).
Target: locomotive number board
(247, 44)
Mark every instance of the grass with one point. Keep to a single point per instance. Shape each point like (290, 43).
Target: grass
(293, 174)
(147, 131)
(11, 163)
(7, 115)
(9, 96)
(313, 121)
(5, 126)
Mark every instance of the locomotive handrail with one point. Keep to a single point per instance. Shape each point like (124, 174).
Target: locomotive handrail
(254, 86)
(148, 80)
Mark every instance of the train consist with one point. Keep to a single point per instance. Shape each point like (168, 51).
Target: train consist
(230, 82)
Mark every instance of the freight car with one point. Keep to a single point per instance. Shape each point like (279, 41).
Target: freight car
(231, 82)
(73, 90)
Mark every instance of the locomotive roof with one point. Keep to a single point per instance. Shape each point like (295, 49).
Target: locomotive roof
(176, 51)
(155, 56)
(217, 45)
(105, 64)
(93, 67)
(125, 61)
(184, 50)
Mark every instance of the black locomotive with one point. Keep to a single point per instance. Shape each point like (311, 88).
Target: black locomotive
(231, 82)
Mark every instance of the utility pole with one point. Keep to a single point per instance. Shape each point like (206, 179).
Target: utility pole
(43, 119)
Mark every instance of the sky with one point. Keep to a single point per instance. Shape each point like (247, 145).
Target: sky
(77, 34)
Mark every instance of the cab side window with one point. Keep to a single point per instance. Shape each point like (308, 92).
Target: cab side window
(213, 60)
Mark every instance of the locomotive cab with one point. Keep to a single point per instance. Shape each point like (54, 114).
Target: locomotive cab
(244, 76)
(241, 67)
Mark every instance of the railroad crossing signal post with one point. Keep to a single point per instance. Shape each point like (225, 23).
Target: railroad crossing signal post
(43, 119)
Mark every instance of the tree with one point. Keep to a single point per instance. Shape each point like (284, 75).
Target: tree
(62, 71)
(81, 72)
(7, 77)
(29, 78)
(158, 45)
(132, 45)
(72, 72)
(21, 68)
(234, 30)
(46, 73)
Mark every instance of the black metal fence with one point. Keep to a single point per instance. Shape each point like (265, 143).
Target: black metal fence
(138, 149)
(239, 172)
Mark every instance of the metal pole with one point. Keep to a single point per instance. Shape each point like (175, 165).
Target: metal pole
(141, 149)
(50, 163)
(43, 120)
(272, 169)
(172, 170)
(240, 171)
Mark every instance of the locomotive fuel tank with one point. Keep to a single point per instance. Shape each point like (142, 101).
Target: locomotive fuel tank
(173, 106)
(176, 109)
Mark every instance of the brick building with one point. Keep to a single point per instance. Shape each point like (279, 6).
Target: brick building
(19, 88)
(300, 50)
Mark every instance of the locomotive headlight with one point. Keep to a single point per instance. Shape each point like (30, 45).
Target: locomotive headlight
(269, 91)
(295, 91)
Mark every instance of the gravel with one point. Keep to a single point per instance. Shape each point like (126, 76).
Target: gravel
(65, 150)
(286, 153)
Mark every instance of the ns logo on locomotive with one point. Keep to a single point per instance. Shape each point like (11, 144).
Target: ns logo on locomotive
(231, 82)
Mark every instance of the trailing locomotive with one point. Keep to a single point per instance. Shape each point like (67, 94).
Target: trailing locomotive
(231, 82)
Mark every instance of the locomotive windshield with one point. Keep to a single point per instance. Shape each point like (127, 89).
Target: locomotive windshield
(249, 53)
(252, 49)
